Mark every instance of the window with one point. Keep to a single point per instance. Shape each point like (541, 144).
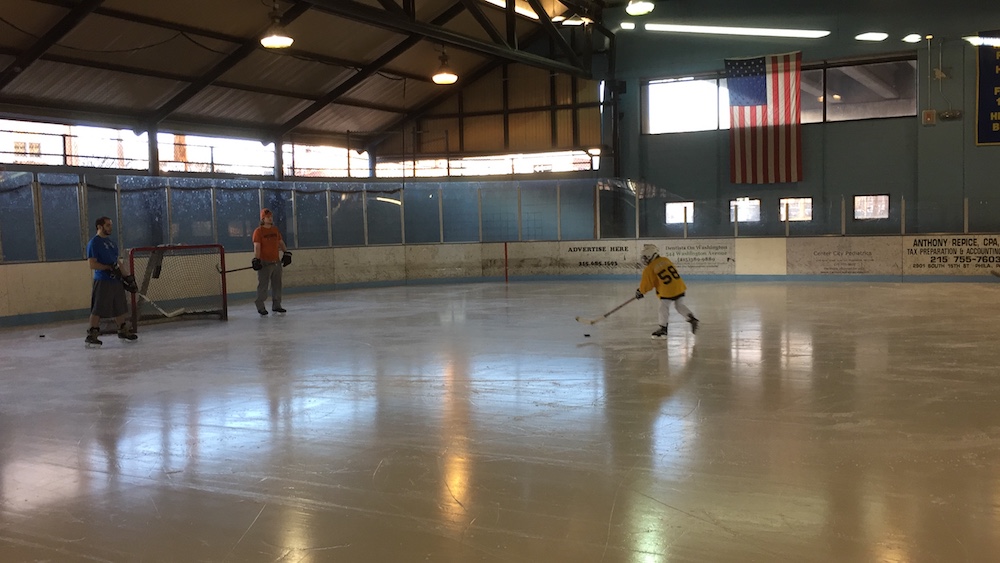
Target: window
(678, 106)
(856, 91)
(680, 212)
(872, 90)
(748, 209)
(799, 209)
(871, 207)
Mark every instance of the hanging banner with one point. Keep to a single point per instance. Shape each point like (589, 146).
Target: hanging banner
(988, 99)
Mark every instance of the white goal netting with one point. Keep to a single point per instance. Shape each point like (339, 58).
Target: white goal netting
(178, 282)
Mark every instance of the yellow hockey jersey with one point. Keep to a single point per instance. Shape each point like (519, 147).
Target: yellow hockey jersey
(661, 274)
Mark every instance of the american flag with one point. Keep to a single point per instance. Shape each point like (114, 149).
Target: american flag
(765, 145)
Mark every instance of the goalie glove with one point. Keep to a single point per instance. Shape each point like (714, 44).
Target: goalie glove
(286, 258)
(638, 294)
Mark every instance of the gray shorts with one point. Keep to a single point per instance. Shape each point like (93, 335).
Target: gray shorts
(107, 299)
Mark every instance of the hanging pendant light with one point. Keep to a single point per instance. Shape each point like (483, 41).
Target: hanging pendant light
(639, 7)
(444, 74)
(275, 37)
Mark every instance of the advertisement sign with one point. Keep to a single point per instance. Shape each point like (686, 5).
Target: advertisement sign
(951, 255)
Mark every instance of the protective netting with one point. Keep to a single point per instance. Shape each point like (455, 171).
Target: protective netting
(178, 282)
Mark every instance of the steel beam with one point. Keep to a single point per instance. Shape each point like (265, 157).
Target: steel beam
(364, 73)
(231, 60)
(484, 21)
(51, 37)
(351, 10)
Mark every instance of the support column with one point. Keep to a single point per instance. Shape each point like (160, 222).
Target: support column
(279, 160)
(154, 150)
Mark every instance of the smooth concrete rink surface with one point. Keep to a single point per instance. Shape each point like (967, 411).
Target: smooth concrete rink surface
(806, 422)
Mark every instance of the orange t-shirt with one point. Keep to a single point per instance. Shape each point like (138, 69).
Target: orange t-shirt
(268, 237)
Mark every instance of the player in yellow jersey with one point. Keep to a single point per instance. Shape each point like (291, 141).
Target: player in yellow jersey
(660, 274)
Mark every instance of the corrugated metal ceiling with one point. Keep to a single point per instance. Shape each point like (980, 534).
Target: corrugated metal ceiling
(168, 64)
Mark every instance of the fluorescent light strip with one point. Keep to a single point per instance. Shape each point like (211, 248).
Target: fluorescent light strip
(913, 38)
(977, 40)
(388, 200)
(523, 11)
(628, 25)
(872, 36)
(751, 31)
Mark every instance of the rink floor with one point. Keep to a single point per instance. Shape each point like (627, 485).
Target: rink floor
(805, 422)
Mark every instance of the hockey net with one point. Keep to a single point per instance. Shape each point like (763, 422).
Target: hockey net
(178, 282)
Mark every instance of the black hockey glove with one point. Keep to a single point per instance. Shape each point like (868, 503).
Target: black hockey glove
(116, 271)
(129, 283)
(255, 264)
(286, 258)
(638, 294)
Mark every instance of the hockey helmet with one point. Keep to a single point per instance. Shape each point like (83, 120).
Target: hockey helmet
(649, 253)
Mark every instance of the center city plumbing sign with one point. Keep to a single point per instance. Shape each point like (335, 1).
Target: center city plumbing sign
(952, 255)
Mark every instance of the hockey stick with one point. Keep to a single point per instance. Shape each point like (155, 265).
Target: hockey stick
(219, 269)
(605, 315)
(157, 307)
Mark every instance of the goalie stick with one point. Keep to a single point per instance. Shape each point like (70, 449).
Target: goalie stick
(605, 315)
(157, 307)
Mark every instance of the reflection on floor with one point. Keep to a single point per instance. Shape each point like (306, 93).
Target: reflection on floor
(805, 422)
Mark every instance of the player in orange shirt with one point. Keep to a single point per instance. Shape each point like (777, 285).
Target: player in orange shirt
(268, 263)
(661, 274)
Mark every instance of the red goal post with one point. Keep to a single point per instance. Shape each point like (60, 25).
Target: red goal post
(178, 281)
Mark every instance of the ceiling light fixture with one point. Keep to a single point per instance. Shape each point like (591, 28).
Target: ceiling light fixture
(638, 7)
(913, 38)
(275, 36)
(979, 40)
(751, 31)
(628, 25)
(444, 74)
(872, 36)
(577, 20)
(517, 9)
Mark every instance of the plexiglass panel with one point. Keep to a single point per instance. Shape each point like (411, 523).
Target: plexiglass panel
(61, 216)
(421, 205)
(143, 212)
(347, 218)
(539, 210)
(278, 198)
(576, 208)
(237, 212)
(499, 212)
(17, 217)
(101, 202)
(385, 222)
(460, 202)
(617, 201)
(311, 215)
(191, 211)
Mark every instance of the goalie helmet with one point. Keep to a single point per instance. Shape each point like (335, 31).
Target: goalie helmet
(649, 253)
